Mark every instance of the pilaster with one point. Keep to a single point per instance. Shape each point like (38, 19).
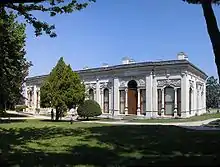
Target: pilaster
(184, 95)
(163, 106)
(126, 101)
(116, 96)
(175, 102)
(97, 95)
(139, 99)
(149, 97)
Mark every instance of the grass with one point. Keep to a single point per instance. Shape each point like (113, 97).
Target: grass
(191, 119)
(9, 115)
(40, 143)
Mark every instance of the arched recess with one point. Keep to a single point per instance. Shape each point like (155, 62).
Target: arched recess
(106, 100)
(91, 94)
(169, 101)
(132, 97)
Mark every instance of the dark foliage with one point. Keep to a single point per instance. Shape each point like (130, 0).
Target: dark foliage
(89, 108)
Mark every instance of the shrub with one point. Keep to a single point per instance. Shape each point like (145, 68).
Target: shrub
(20, 108)
(89, 108)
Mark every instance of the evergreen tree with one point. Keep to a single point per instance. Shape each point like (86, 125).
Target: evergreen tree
(13, 64)
(52, 7)
(212, 26)
(62, 89)
(212, 92)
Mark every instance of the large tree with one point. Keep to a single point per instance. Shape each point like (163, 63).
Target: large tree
(52, 7)
(212, 26)
(62, 89)
(212, 92)
(13, 64)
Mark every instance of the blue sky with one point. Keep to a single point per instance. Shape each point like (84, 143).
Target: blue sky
(108, 30)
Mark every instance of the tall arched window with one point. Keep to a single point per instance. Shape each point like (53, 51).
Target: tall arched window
(190, 100)
(106, 100)
(122, 101)
(91, 94)
(169, 100)
(143, 101)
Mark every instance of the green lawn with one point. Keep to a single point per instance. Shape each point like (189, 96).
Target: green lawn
(194, 118)
(7, 115)
(35, 143)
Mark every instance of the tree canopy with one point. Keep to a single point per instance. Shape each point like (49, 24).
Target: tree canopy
(212, 26)
(62, 89)
(212, 92)
(52, 7)
(13, 64)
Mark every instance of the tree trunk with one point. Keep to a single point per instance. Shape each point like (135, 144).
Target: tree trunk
(213, 31)
(57, 114)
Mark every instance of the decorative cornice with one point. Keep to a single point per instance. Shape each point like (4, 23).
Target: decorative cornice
(169, 82)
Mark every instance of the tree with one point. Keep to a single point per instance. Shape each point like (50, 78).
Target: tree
(13, 64)
(212, 92)
(62, 89)
(212, 26)
(89, 108)
(53, 7)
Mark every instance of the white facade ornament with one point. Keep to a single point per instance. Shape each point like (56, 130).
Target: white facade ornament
(104, 85)
(123, 84)
(166, 82)
(141, 82)
(191, 83)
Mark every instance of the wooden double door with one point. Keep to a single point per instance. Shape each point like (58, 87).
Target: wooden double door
(132, 101)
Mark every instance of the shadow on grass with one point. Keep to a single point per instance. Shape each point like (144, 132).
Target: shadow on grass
(128, 146)
(7, 115)
(3, 121)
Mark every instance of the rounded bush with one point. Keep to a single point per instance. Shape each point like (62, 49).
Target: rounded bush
(89, 108)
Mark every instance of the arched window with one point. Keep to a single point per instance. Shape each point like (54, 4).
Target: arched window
(106, 100)
(190, 100)
(169, 100)
(122, 101)
(91, 94)
(143, 101)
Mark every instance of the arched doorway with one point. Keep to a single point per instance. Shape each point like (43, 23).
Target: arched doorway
(169, 100)
(132, 97)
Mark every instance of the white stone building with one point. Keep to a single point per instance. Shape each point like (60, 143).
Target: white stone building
(174, 88)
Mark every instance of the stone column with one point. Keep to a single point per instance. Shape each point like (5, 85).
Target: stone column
(149, 95)
(101, 100)
(126, 101)
(97, 96)
(116, 100)
(197, 106)
(139, 100)
(175, 102)
(110, 101)
(163, 107)
(184, 95)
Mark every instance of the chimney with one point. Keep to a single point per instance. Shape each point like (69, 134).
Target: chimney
(127, 60)
(85, 68)
(182, 56)
(104, 65)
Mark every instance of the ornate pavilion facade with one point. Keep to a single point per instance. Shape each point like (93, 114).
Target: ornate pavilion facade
(174, 88)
